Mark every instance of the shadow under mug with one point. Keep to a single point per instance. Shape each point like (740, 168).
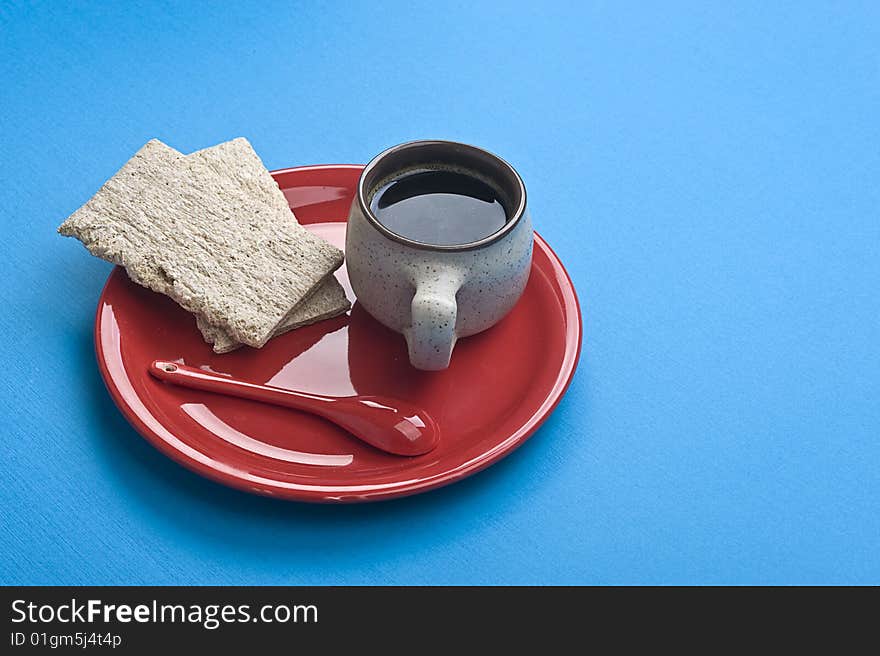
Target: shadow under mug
(435, 294)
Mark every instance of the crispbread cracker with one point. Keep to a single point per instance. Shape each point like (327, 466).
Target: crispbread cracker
(212, 231)
(326, 302)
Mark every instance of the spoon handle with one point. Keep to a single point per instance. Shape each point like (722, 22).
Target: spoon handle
(181, 374)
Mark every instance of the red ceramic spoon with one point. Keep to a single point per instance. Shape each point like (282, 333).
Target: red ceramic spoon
(391, 425)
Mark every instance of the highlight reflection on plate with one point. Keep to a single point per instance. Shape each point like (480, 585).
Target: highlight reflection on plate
(203, 416)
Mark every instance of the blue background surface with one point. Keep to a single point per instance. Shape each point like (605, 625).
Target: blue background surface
(708, 172)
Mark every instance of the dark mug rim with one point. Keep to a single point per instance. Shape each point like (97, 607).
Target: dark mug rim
(432, 151)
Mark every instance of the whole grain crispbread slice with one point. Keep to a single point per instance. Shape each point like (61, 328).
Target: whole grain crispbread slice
(213, 232)
(326, 302)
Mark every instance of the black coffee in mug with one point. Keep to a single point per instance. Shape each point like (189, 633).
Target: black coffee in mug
(439, 206)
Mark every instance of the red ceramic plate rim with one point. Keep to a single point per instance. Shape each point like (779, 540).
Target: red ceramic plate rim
(571, 308)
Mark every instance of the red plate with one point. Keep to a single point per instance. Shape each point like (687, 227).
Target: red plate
(499, 388)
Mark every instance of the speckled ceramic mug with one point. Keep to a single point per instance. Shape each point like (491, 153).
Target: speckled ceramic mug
(435, 294)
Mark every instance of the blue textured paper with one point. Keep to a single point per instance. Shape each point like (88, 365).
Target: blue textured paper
(708, 172)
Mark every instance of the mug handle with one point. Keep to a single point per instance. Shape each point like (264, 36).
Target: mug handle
(431, 335)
